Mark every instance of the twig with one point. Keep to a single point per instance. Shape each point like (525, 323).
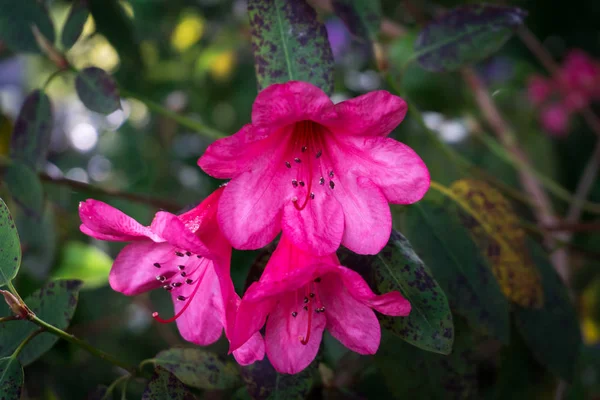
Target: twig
(27, 340)
(574, 227)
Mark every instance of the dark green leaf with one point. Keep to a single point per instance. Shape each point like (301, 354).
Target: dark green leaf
(289, 43)
(16, 21)
(199, 368)
(97, 90)
(33, 128)
(25, 188)
(552, 333)
(164, 385)
(54, 303)
(74, 24)
(11, 379)
(85, 263)
(446, 247)
(263, 382)
(398, 268)
(362, 17)
(39, 236)
(10, 247)
(466, 34)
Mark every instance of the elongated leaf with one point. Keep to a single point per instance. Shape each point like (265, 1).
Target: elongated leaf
(33, 128)
(446, 247)
(16, 21)
(74, 24)
(54, 303)
(263, 382)
(289, 43)
(466, 34)
(398, 268)
(85, 263)
(11, 379)
(10, 247)
(552, 332)
(164, 385)
(199, 368)
(510, 261)
(97, 90)
(25, 188)
(362, 17)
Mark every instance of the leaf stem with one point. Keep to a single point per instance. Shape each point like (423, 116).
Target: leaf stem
(52, 76)
(24, 342)
(9, 318)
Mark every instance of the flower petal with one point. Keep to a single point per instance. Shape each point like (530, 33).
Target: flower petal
(253, 350)
(133, 271)
(250, 318)
(172, 229)
(350, 321)
(317, 228)
(284, 333)
(283, 104)
(107, 223)
(373, 114)
(392, 303)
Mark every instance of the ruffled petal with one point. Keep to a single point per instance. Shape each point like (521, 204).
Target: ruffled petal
(107, 223)
(250, 318)
(173, 230)
(284, 334)
(283, 104)
(253, 350)
(392, 303)
(373, 114)
(133, 271)
(348, 320)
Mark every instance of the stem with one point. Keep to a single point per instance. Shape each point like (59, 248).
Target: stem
(91, 349)
(9, 318)
(27, 340)
(52, 76)
(113, 385)
(584, 186)
(181, 120)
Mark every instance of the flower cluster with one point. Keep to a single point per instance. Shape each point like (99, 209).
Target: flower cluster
(576, 84)
(320, 175)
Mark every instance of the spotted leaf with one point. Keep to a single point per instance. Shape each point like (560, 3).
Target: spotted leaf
(164, 385)
(10, 247)
(11, 379)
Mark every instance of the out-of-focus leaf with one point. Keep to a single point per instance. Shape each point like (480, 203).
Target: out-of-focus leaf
(398, 268)
(74, 24)
(552, 332)
(10, 247)
(39, 237)
(199, 368)
(16, 21)
(33, 128)
(97, 90)
(444, 244)
(85, 263)
(11, 379)
(290, 43)
(400, 53)
(466, 34)
(263, 382)
(511, 263)
(362, 17)
(25, 188)
(164, 385)
(98, 393)
(54, 303)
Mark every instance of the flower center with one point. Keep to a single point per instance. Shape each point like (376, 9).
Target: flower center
(310, 303)
(178, 277)
(308, 157)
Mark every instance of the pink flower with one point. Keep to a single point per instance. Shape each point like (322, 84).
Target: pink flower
(580, 73)
(322, 173)
(186, 255)
(555, 119)
(538, 89)
(303, 294)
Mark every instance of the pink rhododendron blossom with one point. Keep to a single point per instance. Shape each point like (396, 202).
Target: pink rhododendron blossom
(302, 294)
(538, 89)
(555, 119)
(580, 73)
(185, 255)
(322, 173)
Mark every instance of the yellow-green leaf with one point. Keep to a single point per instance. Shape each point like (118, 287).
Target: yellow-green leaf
(84, 262)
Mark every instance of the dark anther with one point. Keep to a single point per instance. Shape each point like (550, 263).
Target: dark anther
(189, 281)
(305, 308)
(331, 184)
(297, 160)
(287, 164)
(179, 254)
(317, 280)
(322, 309)
(294, 314)
(161, 278)
(304, 148)
(157, 265)
(181, 267)
(199, 256)
(305, 300)
(312, 196)
(301, 183)
(294, 183)
(188, 253)
(331, 174)
(176, 284)
(168, 288)
(312, 295)
(183, 274)
(181, 298)
(319, 153)
(321, 181)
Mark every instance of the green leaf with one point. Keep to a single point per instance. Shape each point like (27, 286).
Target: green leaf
(446, 247)
(31, 135)
(263, 382)
(164, 385)
(398, 268)
(289, 43)
(11, 379)
(10, 247)
(25, 188)
(199, 368)
(362, 17)
(552, 332)
(16, 21)
(466, 34)
(85, 263)
(74, 24)
(97, 90)
(54, 303)
(39, 236)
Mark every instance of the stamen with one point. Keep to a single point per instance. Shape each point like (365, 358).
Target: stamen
(168, 288)
(181, 298)
(157, 265)
(318, 154)
(304, 148)
(305, 300)
(176, 284)
(161, 278)
(287, 164)
(331, 174)
(297, 160)
(301, 183)
(322, 181)
(179, 254)
(304, 340)
(183, 274)
(181, 267)
(294, 183)
(331, 184)
(189, 281)
(294, 314)
(312, 196)
(317, 280)
(188, 253)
